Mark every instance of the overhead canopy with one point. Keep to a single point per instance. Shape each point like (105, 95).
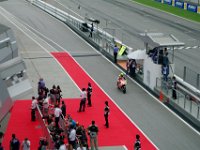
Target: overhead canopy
(138, 54)
(161, 40)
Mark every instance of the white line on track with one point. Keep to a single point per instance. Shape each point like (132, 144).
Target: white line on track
(69, 9)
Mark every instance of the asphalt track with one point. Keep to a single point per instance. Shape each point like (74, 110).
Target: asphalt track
(161, 126)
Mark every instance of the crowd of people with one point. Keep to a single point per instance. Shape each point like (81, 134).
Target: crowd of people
(65, 132)
(63, 128)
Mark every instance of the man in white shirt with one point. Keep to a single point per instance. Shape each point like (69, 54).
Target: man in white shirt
(83, 100)
(33, 108)
(72, 138)
(62, 146)
(57, 113)
(46, 106)
(26, 144)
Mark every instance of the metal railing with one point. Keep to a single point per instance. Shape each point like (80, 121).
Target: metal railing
(46, 132)
(183, 100)
(192, 77)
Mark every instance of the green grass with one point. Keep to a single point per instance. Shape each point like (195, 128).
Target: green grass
(174, 10)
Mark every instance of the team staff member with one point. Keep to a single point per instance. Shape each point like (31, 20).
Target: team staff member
(83, 100)
(106, 113)
(93, 131)
(137, 144)
(115, 52)
(89, 93)
(33, 108)
(57, 114)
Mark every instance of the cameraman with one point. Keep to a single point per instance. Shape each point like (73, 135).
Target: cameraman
(92, 132)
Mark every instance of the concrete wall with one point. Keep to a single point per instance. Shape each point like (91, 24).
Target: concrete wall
(13, 78)
(8, 45)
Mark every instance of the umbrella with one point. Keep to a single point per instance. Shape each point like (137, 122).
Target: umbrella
(138, 54)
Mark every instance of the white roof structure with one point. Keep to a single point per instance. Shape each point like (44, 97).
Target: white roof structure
(161, 40)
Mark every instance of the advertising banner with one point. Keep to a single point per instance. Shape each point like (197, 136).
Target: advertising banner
(158, 1)
(179, 4)
(192, 8)
(169, 2)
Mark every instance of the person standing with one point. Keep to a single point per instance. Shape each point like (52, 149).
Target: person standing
(93, 132)
(62, 145)
(1, 135)
(133, 66)
(165, 72)
(106, 114)
(174, 87)
(26, 144)
(41, 84)
(89, 93)
(59, 95)
(91, 29)
(1, 147)
(83, 100)
(14, 143)
(33, 108)
(115, 53)
(128, 63)
(63, 108)
(137, 144)
(57, 113)
(46, 106)
(72, 138)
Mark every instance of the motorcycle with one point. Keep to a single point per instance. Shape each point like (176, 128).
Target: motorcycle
(121, 85)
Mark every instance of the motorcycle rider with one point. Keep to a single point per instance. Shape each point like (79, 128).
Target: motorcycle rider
(120, 80)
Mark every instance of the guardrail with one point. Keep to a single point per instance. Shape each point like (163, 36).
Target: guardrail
(183, 100)
(44, 128)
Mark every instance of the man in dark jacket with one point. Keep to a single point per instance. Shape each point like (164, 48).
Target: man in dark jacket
(14, 143)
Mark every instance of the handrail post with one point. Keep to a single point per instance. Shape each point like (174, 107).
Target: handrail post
(184, 73)
(190, 106)
(198, 76)
(185, 101)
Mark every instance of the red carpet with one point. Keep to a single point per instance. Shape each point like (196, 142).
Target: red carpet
(121, 131)
(20, 124)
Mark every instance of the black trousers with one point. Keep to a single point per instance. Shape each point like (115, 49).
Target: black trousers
(115, 57)
(57, 121)
(106, 119)
(82, 105)
(174, 94)
(89, 99)
(33, 117)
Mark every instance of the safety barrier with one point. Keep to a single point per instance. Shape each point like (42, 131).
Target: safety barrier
(44, 128)
(184, 100)
(183, 5)
(191, 77)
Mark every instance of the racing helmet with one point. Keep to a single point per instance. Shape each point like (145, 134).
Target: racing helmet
(121, 74)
